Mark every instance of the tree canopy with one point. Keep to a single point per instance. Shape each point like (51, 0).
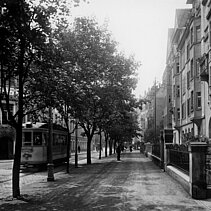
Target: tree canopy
(77, 70)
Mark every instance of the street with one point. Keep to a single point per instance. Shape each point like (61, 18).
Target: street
(134, 183)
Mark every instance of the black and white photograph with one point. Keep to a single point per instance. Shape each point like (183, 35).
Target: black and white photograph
(105, 105)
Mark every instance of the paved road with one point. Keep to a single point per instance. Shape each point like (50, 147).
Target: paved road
(134, 183)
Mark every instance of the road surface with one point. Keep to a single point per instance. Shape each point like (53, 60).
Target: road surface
(134, 183)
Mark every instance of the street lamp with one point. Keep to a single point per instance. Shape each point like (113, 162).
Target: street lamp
(50, 164)
(76, 143)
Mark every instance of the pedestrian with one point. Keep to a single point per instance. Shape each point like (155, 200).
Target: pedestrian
(131, 149)
(79, 149)
(118, 150)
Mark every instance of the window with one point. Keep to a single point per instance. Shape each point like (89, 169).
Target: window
(183, 111)
(188, 106)
(191, 68)
(37, 138)
(182, 58)
(3, 10)
(174, 90)
(188, 80)
(191, 36)
(183, 85)
(5, 118)
(45, 138)
(197, 69)
(198, 33)
(178, 113)
(177, 67)
(178, 91)
(188, 51)
(191, 106)
(27, 139)
(198, 99)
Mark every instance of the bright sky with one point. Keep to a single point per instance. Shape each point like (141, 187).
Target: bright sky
(140, 27)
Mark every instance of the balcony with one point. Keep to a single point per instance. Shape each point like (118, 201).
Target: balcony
(204, 70)
(197, 119)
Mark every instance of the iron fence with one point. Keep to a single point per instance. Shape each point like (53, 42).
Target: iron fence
(179, 159)
(156, 150)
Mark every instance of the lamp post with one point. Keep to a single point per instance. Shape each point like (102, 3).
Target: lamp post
(50, 165)
(76, 144)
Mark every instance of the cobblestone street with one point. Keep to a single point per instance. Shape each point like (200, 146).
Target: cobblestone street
(134, 183)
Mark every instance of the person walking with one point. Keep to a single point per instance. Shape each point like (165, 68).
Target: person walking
(118, 151)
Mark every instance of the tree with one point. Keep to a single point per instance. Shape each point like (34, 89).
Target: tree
(107, 78)
(89, 47)
(25, 28)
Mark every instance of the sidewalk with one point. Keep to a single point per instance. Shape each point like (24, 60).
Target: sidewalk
(134, 183)
(27, 179)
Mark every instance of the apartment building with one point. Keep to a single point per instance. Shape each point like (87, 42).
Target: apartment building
(174, 64)
(183, 56)
(205, 67)
(167, 83)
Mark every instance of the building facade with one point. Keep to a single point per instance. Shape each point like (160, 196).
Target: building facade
(187, 76)
(183, 56)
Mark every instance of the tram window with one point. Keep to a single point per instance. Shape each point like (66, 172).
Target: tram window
(65, 140)
(27, 139)
(37, 138)
(44, 139)
(54, 139)
(61, 139)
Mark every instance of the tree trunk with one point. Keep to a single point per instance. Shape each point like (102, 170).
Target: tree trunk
(16, 164)
(118, 150)
(114, 145)
(110, 147)
(100, 145)
(17, 158)
(89, 160)
(106, 145)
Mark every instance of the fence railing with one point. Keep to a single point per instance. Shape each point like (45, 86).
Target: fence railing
(156, 150)
(179, 157)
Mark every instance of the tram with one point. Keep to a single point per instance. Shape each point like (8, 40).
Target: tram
(34, 144)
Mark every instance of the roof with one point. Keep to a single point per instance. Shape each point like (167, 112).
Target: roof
(43, 125)
(169, 41)
(189, 2)
(181, 17)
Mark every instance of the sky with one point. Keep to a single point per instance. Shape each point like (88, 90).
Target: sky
(141, 29)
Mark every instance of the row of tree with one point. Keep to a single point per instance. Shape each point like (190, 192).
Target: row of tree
(77, 70)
